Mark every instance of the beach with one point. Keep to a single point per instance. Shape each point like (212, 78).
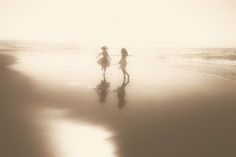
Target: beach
(53, 104)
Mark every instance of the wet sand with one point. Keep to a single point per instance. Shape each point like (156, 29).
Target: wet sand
(163, 111)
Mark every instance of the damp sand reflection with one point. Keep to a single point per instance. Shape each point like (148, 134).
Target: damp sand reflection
(34, 121)
(73, 139)
(166, 112)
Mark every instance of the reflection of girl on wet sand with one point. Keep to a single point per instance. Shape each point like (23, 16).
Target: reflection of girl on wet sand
(104, 61)
(123, 62)
(121, 94)
(103, 89)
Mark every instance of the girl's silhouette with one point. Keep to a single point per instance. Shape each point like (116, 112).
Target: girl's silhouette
(103, 89)
(123, 62)
(121, 94)
(104, 61)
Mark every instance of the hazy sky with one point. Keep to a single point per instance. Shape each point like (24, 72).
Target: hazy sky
(122, 22)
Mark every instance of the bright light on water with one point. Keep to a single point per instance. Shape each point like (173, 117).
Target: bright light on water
(76, 69)
(76, 140)
(60, 68)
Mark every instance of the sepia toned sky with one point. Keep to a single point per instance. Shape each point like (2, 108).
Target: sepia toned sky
(197, 23)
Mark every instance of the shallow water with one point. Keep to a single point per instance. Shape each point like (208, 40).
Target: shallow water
(51, 104)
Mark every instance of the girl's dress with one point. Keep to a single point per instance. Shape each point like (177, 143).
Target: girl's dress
(104, 61)
(123, 63)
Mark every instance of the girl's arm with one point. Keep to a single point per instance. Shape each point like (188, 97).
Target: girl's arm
(99, 55)
(108, 56)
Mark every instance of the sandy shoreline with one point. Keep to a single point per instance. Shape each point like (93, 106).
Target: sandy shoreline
(167, 112)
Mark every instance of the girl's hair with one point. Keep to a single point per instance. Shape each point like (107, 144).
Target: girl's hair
(104, 48)
(124, 52)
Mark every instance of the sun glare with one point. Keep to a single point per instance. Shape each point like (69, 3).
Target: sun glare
(79, 140)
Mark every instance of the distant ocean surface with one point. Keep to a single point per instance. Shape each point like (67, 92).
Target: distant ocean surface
(217, 61)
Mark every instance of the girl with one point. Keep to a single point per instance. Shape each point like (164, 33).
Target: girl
(123, 62)
(104, 61)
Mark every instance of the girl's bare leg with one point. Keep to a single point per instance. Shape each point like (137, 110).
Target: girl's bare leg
(123, 71)
(127, 74)
(104, 71)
